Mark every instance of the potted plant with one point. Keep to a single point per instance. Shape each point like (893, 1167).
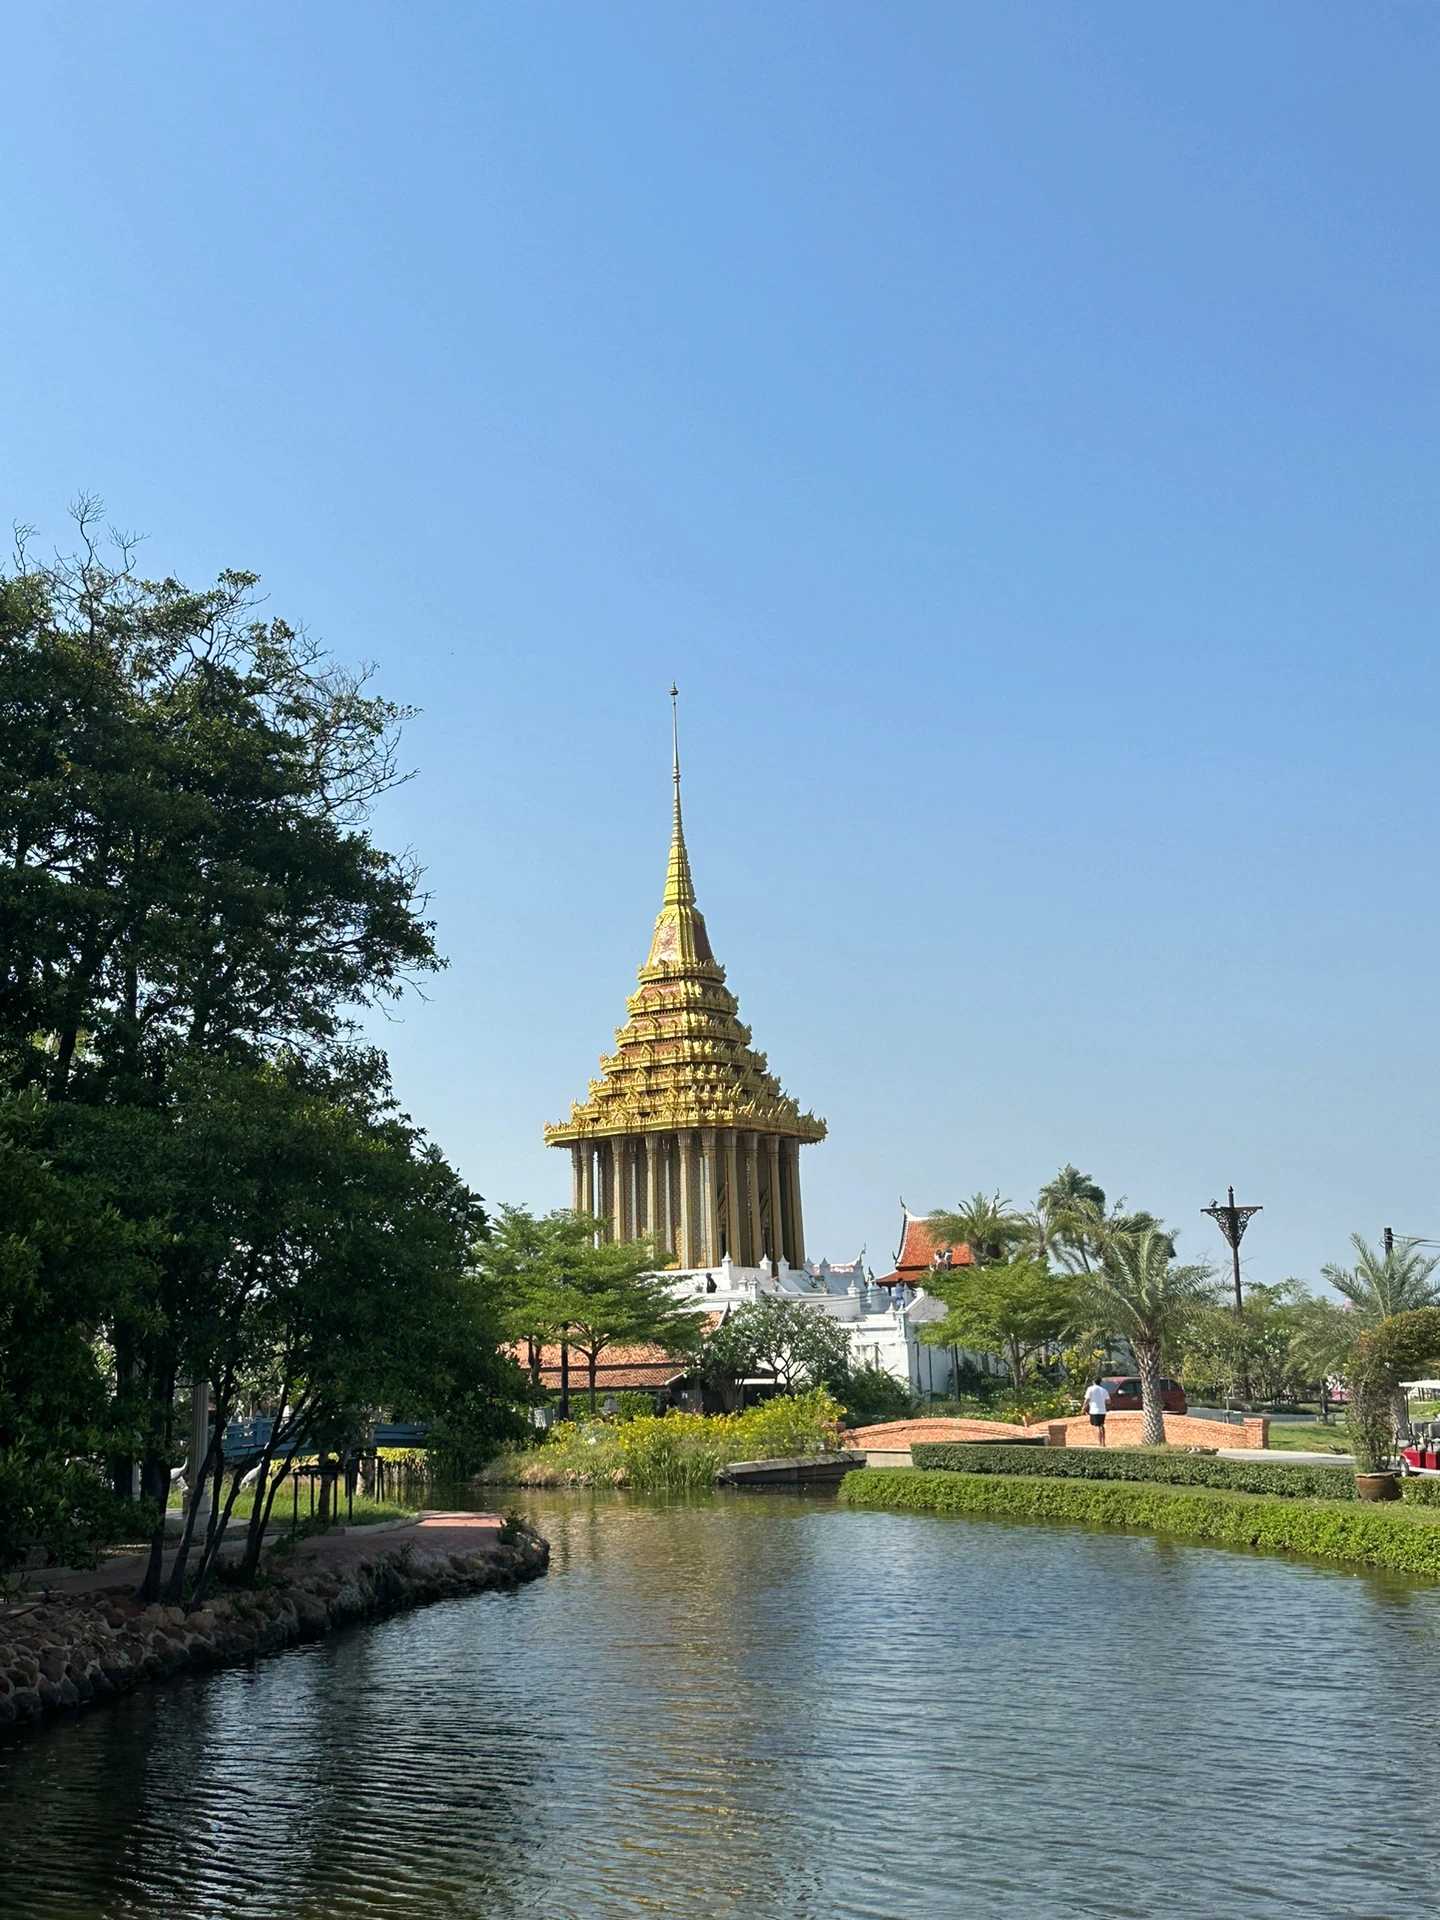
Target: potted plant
(1372, 1441)
(1402, 1345)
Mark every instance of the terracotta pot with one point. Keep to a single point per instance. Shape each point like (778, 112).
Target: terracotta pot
(1377, 1486)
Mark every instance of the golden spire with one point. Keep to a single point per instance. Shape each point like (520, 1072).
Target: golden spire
(679, 887)
(683, 1058)
(680, 936)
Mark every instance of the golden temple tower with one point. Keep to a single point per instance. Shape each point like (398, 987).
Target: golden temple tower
(687, 1138)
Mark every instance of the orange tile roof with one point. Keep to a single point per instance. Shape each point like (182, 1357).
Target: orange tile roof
(918, 1248)
(645, 1365)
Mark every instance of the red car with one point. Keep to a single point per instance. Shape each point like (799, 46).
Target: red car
(1125, 1395)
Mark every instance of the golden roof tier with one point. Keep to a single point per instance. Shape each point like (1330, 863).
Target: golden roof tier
(678, 1139)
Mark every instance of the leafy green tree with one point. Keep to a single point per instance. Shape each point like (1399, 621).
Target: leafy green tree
(346, 1283)
(1150, 1298)
(526, 1261)
(1019, 1309)
(1324, 1335)
(611, 1295)
(799, 1346)
(66, 1259)
(872, 1394)
(1257, 1350)
(185, 876)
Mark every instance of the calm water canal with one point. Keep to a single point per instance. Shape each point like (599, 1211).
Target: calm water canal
(761, 1707)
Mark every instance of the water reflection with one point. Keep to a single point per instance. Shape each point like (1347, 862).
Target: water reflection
(757, 1706)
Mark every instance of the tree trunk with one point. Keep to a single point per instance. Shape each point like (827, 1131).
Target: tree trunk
(592, 1362)
(1152, 1423)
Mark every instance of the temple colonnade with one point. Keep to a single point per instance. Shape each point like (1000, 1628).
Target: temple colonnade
(701, 1192)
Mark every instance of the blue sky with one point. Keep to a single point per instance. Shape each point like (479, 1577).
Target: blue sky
(1015, 429)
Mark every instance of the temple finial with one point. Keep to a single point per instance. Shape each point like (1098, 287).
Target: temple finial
(679, 887)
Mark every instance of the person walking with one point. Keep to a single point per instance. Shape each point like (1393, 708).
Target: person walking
(1097, 1402)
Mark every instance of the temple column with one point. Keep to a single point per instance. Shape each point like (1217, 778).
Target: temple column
(576, 1177)
(587, 1177)
(797, 1214)
(710, 1210)
(755, 1247)
(733, 1231)
(620, 1150)
(672, 1195)
(605, 1189)
(685, 1249)
(774, 1242)
(654, 1225)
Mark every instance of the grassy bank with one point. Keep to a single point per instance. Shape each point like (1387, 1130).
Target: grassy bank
(1401, 1539)
(672, 1452)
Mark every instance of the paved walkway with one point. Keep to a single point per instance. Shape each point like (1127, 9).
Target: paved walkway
(442, 1532)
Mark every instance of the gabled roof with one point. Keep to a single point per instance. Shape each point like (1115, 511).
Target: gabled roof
(618, 1368)
(921, 1251)
(641, 1365)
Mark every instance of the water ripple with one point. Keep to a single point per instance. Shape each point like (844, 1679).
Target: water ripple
(758, 1707)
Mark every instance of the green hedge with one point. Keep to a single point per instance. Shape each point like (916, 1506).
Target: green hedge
(1401, 1539)
(1421, 1493)
(1134, 1463)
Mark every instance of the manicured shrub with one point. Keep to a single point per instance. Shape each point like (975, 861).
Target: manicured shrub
(872, 1394)
(1300, 1481)
(1392, 1537)
(791, 1424)
(672, 1452)
(1420, 1493)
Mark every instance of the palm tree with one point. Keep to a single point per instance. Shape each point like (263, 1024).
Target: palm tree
(985, 1223)
(1380, 1285)
(1063, 1222)
(1070, 1189)
(1149, 1297)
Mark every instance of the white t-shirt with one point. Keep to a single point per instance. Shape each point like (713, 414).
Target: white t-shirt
(1097, 1399)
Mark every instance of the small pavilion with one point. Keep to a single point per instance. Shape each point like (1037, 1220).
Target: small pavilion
(921, 1252)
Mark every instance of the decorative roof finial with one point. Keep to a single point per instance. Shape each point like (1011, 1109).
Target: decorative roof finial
(679, 887)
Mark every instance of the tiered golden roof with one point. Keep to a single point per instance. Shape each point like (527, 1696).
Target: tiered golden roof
(683, 1058)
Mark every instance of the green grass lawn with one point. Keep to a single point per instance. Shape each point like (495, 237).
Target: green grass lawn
(1295, 1438)
(365, 1513)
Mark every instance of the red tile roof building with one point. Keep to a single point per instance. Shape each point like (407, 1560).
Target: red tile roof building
(921, 1252)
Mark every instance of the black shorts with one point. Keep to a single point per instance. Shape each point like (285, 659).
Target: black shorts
(1097, 1419)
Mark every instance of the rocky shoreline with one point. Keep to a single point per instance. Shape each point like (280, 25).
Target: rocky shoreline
(73, 1651)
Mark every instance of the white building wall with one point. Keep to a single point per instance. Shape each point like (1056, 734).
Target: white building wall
(883, 1323)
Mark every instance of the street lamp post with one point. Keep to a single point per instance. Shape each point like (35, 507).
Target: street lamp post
(1232, 1222)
